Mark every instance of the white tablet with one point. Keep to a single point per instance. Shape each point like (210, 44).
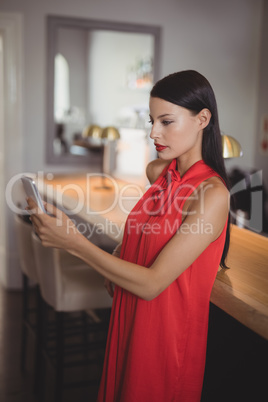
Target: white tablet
(32, 191)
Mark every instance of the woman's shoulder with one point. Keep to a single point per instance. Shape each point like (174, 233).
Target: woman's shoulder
(211, 204)
(209, 193)
(155, 168)
(217, 184)
(215, 188)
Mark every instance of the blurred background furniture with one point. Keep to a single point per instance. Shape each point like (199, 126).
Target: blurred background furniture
(69, 286)
(30, 305)
(249, 207)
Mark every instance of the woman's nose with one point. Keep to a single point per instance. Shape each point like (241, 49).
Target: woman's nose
(153, 133)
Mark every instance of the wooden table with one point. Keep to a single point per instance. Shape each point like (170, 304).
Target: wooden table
(241, 291)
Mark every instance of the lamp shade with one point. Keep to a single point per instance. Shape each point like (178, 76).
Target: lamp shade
(92, 131)
(230, 147)
(110, 133)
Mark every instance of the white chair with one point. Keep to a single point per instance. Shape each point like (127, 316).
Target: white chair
(67, 285)
(23, 230)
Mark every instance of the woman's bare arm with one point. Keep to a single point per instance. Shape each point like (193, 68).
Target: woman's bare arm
(107, 283)
(177, 255)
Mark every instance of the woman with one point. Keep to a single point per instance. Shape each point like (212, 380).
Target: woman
(174, 240)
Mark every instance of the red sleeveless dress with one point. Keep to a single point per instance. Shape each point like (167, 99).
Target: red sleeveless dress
(156, 349)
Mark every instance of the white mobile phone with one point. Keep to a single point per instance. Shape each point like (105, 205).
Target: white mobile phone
(32, 191)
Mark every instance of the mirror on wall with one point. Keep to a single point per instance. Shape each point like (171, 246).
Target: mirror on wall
(99, 73)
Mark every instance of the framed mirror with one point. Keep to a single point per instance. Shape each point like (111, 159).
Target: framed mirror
(99, 73)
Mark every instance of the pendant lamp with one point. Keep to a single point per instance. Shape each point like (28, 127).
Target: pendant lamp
(230, 147)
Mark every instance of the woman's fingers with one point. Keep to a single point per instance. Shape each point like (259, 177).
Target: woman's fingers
(33, 207)
(52, 210)
(109, 286)
(55, 229)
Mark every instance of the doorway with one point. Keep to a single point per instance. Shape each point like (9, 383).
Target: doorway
(11, 34)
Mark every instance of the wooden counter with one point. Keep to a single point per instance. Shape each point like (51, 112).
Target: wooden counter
(241, 291)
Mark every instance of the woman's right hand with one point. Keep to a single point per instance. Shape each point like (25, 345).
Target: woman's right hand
(55, 229)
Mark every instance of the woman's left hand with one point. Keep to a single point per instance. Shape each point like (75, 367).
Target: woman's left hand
(54, 230)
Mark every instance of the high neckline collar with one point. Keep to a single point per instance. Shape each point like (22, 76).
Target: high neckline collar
(173, 168)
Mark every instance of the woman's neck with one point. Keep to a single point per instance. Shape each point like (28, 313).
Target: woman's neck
(183, 164)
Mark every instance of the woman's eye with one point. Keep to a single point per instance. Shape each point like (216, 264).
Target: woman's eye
(166, 122)
(150, 121)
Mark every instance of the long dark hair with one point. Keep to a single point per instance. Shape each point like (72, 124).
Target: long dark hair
(191, 90)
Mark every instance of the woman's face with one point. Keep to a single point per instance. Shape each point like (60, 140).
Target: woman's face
(176, 131)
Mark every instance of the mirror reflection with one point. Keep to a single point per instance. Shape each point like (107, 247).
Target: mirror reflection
(99, 77)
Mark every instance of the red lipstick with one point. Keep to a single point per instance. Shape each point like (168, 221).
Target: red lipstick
(159, 147)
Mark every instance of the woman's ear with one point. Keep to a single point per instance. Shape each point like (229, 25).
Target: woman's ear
(204, 117)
